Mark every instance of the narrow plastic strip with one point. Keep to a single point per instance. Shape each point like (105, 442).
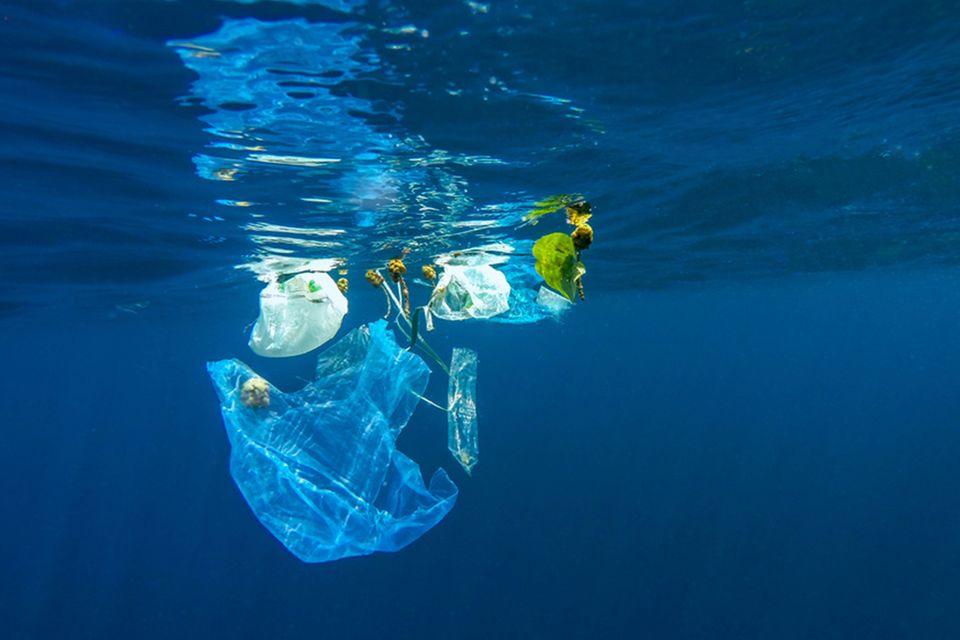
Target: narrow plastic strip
(462, 440)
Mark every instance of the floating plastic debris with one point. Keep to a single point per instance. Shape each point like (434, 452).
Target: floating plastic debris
(530, 301)
(297, 315)
(319, 467)
(555, 303)
(462, 408)
(465, 292)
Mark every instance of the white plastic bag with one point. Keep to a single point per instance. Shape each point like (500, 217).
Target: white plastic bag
(465, 292)
(297, 315)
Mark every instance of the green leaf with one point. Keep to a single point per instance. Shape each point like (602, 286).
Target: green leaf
(549, 205)
(557, 263)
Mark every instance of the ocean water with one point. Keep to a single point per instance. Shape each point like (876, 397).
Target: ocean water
(748, 429)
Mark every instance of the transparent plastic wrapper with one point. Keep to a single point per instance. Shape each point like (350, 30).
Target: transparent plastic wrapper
(319, 467)
(470, 291)
(297, 315)
(552, 301)
(462, 438)
(529, 301)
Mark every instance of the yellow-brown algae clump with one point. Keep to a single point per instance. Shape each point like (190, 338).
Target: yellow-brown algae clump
(582, 236)
(429, 272)
(579, 212)
(343, 284)
(374, 278)
(255, 393)
(396, 269)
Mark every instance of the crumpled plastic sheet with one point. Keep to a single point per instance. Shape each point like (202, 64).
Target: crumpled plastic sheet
(462, 436)
(470, 291)
(319, 467)
(530, 300)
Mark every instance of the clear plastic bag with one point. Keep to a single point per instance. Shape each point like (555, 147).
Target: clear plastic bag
(297, 315)
(465, 292)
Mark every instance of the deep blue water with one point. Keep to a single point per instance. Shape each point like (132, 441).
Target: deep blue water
(749, 429)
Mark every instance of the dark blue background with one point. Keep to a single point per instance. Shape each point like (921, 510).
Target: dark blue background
(786, 469)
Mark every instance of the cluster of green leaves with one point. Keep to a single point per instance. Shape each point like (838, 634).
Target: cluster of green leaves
(551, 205)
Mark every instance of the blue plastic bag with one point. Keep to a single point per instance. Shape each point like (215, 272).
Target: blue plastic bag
(319, 467)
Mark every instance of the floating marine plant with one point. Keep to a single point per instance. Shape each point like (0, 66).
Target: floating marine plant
(429, 273)
(396, 268)
(558, 264)
(552, 205)
(558, 254)
(255, 393)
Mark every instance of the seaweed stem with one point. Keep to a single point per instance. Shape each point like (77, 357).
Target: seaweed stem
(387, 296)
(429, 401)
(420, 341)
